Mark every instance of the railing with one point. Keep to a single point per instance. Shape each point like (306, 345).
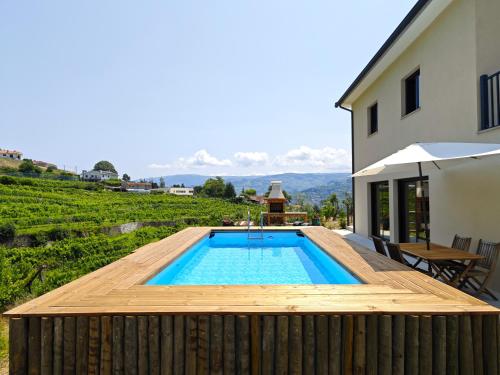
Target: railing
(261, 223)
(490, 100)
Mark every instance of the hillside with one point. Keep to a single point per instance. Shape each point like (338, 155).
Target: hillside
(316, 186)
(67, 224)
(317, 194)
(9, 163)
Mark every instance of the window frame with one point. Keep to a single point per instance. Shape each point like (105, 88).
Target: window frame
(370, 117)
(404, 92)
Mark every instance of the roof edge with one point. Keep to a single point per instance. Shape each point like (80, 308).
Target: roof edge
(409, 18)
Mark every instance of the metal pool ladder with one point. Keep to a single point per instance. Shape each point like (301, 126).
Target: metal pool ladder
(261, 232)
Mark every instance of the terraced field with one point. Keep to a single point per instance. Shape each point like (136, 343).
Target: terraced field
(65, 223)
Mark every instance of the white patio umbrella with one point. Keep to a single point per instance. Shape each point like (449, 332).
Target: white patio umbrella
(436, 155)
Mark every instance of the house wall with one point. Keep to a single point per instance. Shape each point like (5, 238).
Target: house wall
(487, 33)
(460, 45)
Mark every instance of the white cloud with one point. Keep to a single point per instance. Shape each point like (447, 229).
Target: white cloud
(320, 159)
(202, 158)
(301, 159)
(247, 159)
(199, 159)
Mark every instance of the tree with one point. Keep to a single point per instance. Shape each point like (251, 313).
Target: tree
(249, 192)
(348, 205)
(162, 182)
(214, 187)
(229, 191)
(328, 210)
(126, 177)
(333, 200)
(50, 169)
(330, 207)
(105, 165)
(154, 185)
(28, 167)
(197, 190)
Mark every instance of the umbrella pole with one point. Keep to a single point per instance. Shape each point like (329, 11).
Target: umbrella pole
(424, 208)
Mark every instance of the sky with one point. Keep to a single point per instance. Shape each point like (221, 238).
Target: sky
(222, 87)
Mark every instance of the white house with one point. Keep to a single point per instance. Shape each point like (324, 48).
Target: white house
(436, 79)
(96, 176)
(181, 190)
(11, 154)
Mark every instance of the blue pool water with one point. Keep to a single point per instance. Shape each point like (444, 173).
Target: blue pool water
(230, 258)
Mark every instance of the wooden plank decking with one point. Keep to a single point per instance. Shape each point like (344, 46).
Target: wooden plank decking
(118, 289)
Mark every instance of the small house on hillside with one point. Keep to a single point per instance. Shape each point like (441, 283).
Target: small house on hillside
(11, 154)
(97, 176)
(181, 190)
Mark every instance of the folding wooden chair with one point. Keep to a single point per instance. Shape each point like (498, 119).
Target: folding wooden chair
(449, 268)
(479, 276)
(396, 254)
(379, 245)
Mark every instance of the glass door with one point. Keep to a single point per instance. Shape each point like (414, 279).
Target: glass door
(381, 225)
(413, 202)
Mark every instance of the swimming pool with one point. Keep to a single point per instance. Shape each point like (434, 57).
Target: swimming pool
(231, 258)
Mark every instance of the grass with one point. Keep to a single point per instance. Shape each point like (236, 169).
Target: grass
(9, 163)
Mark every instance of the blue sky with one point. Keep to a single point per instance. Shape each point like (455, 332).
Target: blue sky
(165, 87)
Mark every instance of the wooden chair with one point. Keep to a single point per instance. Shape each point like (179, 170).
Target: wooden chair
(379, 245)
(396, 254)
(449, 268)
(479, 277)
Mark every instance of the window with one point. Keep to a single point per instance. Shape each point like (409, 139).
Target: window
(380, 222)
(373, 119)
(411, 91)
(413, 203)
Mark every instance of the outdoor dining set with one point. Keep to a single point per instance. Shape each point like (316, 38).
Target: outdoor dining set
(454, 265)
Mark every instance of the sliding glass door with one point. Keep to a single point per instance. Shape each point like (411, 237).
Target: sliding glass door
(413, 202)
(381, 225)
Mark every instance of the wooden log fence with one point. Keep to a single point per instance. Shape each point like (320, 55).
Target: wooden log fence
(255, 344)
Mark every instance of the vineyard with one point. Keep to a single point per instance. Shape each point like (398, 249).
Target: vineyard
(66, 223)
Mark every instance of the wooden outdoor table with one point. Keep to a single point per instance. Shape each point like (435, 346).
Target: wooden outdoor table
(437, 253)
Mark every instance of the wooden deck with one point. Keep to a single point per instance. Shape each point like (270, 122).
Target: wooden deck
(117, 289)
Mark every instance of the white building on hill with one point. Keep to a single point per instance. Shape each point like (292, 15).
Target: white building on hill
(181, 190)
(11, 154)
(96, 176)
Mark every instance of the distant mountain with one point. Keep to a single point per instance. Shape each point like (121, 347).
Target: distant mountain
(317, 194)
(314, 186)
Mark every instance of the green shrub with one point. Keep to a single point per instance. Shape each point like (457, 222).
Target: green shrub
(7, 232)
(27, 167)
(113, 182)
(7, 180)
(58, 233)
